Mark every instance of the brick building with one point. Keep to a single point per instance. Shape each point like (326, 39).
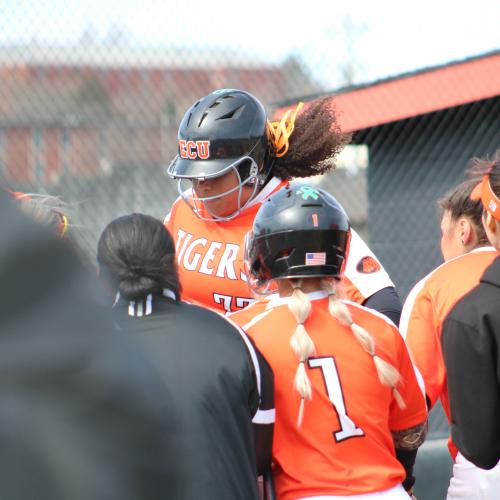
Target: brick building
(87, 110)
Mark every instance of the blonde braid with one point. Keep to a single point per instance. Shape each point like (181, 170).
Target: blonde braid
(301, 343)
(387, 374)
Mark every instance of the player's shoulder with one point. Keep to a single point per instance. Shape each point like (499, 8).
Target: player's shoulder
(441, 285)
(214, 323)
(383, 330)
(474, 261)
(251, 314)
(271, 187)
(370, 315)
(197, 310)
(178, 204)
(363, 270)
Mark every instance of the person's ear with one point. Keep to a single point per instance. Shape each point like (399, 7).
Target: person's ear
(466, 231)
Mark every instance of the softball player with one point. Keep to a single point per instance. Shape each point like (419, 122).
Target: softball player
(220, 386)
(428, 306)
(352, 426)
(230, 160)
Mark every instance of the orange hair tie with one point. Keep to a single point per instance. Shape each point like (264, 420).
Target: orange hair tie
(64, 225)
(281, 131)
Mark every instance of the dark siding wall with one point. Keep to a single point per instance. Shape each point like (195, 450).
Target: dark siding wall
(412, 163)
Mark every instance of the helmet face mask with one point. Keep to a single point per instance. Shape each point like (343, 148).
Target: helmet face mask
(224, 131)
(200, 204)
(297, 234)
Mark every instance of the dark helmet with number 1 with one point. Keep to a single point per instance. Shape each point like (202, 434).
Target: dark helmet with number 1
(301, 231)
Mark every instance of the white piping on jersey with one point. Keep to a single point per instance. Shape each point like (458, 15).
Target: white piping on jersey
(251, 350)
(131, 308)
(418, 375)
(264, 417)
(136, 307)
(149, 305)
(265, 192)
(275, 300)
(169, 294)
(487, 248)
(256, 319)
(373, 311)
(409, 303)
(412, 296)
(261, 416)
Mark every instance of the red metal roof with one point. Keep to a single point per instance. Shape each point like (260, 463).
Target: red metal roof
(417, 93)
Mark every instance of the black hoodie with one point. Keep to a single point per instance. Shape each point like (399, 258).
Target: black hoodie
(471, 349)
(82, 415)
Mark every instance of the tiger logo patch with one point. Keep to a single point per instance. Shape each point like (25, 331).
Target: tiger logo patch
(368, 265)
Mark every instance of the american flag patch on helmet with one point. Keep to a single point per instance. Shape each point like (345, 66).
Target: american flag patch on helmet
(315, 258)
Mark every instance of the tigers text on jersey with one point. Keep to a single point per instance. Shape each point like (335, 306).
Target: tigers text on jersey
(210, 258)
(426, 309)
(344, 446)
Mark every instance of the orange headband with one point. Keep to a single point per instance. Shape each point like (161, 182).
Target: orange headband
(280, 131)
(488, 198)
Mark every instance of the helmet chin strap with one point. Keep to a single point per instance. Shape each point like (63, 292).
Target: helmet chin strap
(198, 205)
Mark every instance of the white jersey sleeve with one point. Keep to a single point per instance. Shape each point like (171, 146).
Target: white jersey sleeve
(363, 269)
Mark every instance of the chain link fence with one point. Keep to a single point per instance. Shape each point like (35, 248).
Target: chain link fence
(95, 123)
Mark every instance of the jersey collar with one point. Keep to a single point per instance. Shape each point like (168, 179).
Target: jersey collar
(143, 307)
(275, 300)
(273, 185)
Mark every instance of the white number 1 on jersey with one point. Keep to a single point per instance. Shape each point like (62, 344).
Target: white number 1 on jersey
(328, 367)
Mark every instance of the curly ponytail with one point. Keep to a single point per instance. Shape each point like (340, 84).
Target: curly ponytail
(315, 142)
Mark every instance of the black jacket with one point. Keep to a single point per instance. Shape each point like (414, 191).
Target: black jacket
(387, 302)
(82, 415)
(211, 370)
(471, 349)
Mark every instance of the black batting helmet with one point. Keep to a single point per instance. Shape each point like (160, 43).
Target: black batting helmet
(224, 129)
(301, 231)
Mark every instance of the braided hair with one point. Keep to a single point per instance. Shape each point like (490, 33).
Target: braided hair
(303, 345)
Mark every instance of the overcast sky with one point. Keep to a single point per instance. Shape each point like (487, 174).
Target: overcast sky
(380, 38)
